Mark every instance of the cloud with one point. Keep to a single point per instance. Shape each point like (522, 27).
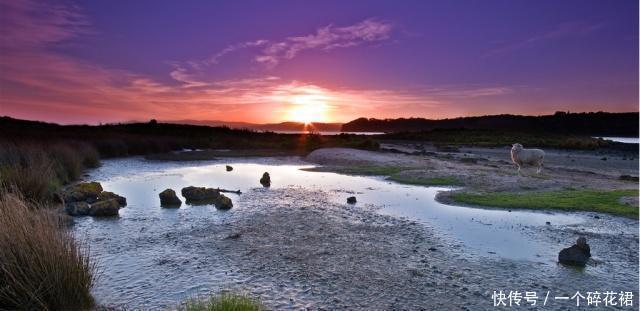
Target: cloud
(562, 31)
(42, 83)
(272, 52)
(27, 24)
(325, 38)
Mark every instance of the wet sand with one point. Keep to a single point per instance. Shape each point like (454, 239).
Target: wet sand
(295, 247)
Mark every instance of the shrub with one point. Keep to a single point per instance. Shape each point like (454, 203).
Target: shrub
(42, 267)
(29, 170)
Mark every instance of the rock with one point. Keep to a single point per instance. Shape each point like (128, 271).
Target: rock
(265, 180)
(629, 178)
(87, 192)
(351, 200)
(200, 195)
(168, 198)
(223, 202)
(576, 255)
(89, 199)
(77, 208)
(233, 236)
(548, 222)
(106, 195)
(104, 208)
(229, 168)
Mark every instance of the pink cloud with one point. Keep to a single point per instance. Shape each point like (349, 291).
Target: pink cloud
(38, 83)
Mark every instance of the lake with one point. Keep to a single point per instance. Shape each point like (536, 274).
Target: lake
(146, 258)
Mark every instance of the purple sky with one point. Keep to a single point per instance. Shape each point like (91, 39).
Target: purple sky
(270, 61)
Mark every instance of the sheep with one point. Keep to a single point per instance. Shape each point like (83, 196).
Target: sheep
(521, 156)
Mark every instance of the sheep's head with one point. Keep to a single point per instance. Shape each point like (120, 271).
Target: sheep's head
(516, 147)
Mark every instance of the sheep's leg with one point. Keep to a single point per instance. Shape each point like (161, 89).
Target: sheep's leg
(540, 165)
(518, 165)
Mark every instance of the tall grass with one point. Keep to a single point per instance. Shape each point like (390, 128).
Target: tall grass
(223, 302)
(42, 267)
(38, 171)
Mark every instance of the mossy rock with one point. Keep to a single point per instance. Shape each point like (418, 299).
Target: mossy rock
(88, 192)
(200, 195)
(104, 208)
(106, 195)
(168, 198)
(223, 202)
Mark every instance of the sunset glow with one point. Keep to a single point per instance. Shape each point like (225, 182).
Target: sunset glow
(74, 63)
(307, 110)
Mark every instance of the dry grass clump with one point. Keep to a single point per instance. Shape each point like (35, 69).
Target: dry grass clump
(42, 267)
(38, 171)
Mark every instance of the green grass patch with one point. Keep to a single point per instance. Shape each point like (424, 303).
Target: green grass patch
(223, 302)
(360, 170)
(426, 181)
(604, 201)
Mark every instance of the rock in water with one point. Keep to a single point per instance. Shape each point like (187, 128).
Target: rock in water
(223, 202)
(168, 198)
(89, 199)
(104, 208)
(229, 168)
(88, 192)
(77, 208)
(200, 195)
(576, 255)
(106, 195)
(351, 200)
(582, 244)
(265, 180)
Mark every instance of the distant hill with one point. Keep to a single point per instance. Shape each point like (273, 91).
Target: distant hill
(589, 123)
(275, 127)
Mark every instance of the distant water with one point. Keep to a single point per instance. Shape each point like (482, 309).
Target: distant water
(328, 132)
(626, 140)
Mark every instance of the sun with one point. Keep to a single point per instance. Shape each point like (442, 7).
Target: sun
(307, 109)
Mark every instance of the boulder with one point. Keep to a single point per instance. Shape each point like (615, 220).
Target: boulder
(229, 168)
(576, 255)
(77, 208)
(106, 195)
(104, 208)
(351, 200)
(265, 180)
(88, 192)
(200, 195)
(168, 198)
(223, 202)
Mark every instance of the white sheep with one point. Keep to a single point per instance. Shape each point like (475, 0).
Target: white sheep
(521, 156)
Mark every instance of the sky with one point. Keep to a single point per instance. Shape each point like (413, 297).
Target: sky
(328, 61)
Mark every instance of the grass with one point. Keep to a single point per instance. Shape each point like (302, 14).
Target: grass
(426, 181)
(223, 302)
(42, 267)
(603, 201)
(37, 171)
(360, 170)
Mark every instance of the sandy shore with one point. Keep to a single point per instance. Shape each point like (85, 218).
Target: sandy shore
(486, 169)
(305, 253)
(295, 248)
